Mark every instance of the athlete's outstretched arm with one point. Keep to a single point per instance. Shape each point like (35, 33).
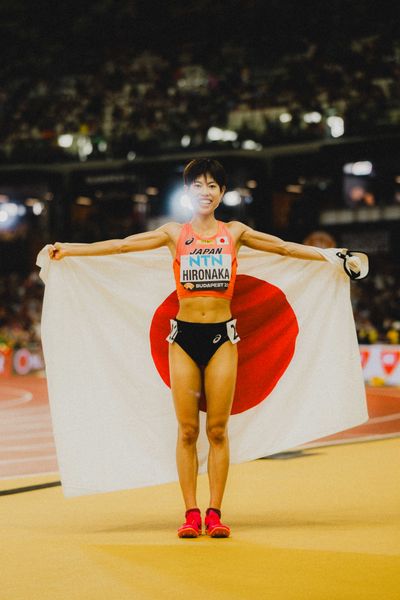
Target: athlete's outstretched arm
(269, 243)
(148, 240)
(257, 240)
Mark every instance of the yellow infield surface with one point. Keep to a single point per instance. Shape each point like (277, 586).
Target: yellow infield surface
(322, 525)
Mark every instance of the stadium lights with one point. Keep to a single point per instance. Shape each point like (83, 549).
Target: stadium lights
(65, 140)
(285, 117)
(179, 204)
(251, 184)
(184, 201)
(85, 147)
(131, 155)
(312, 117)
(251, 145)
(185, 141)
(336, 125)
(232, 198)
(10, 212)
(31, 201)
(152, 191)
(37, 208)
(294, 189)
(360, 168)
(140, 198)
(36, 205)
(215, 134)
(83, 201)
(11, 209)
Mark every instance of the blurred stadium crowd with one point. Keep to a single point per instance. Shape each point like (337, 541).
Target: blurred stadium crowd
(138, 103)
(376, 307)
(21, 299)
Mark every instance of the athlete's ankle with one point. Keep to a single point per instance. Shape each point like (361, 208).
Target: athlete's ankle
(194, 509)
(217, 510)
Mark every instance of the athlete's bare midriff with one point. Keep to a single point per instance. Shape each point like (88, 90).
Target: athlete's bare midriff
(204, 309)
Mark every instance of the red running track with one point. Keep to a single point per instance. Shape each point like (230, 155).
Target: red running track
(26, 435)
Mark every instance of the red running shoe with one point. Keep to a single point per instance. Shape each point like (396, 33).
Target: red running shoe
(192, 526)
(214, 527)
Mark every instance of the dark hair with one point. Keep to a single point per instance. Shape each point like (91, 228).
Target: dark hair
(203, 166)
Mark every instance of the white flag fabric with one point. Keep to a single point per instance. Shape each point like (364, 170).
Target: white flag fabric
(104, 324)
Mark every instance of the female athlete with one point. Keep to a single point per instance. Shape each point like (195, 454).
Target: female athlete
(203, 338)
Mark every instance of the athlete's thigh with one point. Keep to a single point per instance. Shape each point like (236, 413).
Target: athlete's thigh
(220, 382)
(185, 378)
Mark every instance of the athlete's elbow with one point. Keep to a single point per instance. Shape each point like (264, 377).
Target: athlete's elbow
(283, 249)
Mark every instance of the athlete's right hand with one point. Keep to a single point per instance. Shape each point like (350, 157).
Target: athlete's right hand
(57, 251)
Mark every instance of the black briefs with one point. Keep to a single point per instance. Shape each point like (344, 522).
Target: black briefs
(201, 340)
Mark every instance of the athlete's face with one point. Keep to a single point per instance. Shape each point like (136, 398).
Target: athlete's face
(205, 194)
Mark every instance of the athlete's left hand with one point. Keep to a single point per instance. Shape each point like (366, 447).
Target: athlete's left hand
(354, 263)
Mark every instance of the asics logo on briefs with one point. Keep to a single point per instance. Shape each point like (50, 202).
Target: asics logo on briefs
(217, 338)
(188, 242)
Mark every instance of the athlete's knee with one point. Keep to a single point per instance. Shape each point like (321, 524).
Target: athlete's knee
(217, 433)
(188, 433)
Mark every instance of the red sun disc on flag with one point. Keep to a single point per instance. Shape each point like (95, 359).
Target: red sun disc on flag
(267, 327)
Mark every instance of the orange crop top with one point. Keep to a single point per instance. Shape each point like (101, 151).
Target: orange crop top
(205, 266)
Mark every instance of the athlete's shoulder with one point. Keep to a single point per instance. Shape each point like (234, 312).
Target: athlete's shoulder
(236, 228)
(171, 226)
(172, 229)
(236, 224)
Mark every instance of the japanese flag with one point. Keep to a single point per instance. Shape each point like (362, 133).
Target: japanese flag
(222, 241)
(104, 327)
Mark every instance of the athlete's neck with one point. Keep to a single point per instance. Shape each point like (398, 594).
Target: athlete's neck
(205, 225)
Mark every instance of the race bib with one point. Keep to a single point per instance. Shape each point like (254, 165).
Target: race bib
(231, 331)
(174, 331)
(205, 271)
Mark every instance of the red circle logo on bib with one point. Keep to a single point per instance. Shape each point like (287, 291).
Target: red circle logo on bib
(267, 327)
